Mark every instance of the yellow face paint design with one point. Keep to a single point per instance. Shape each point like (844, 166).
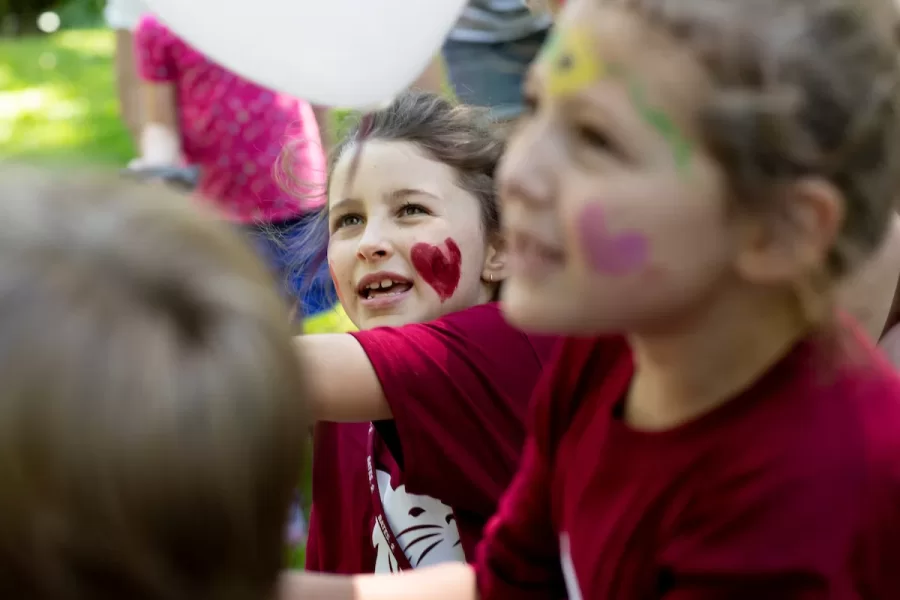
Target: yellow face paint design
(572, 63)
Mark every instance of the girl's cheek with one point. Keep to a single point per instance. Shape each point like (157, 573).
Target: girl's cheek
(337, 284)
(608, 251)
(439, 266)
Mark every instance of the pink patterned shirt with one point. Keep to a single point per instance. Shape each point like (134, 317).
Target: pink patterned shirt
(234, 130)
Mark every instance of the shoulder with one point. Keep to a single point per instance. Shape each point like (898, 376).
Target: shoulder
(150, 25)
(152, 35)
(819, 473)
(474, 348)
(576, 368)
(477, 330)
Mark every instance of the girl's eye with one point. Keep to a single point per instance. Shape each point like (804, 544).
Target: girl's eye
(594, 138)
(348, 221)
(413, 210)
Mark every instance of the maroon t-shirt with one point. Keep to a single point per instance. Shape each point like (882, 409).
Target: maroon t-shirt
(459, 389)
(789, 491)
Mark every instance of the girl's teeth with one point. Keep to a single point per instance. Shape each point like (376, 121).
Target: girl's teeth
(385, 283)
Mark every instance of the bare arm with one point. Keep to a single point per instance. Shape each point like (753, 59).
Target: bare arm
(128, 83)
(452, 581)
(345, 388)
(159, 142)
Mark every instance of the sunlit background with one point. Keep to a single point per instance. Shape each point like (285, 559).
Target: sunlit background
(58, 102)
(57, 94)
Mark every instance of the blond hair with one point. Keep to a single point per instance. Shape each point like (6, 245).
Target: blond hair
(151, 416)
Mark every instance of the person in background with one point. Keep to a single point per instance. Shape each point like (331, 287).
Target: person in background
(422, 411)
(152, 407)
(122, 16)
(197, 112)
(488, 51)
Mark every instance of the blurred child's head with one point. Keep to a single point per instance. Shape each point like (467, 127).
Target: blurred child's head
(151, 422)
(412, 231)
(678, 153)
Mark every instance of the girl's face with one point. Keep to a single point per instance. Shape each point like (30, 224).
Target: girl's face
(407, 243)
(615, 213)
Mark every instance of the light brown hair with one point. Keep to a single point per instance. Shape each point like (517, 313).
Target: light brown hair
(151, 404)
(805, 88)
(459, 136)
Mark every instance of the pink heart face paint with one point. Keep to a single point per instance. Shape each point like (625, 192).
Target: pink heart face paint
(439, 267)
(615, 254)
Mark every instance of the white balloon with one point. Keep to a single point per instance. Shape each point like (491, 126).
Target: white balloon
(352, 53)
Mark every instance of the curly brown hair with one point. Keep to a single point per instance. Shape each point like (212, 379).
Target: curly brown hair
(804, 88)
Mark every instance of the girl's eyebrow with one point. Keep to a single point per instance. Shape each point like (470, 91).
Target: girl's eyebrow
(406, 192)
(344, 204)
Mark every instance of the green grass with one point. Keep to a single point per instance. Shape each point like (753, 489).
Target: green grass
(58, 100)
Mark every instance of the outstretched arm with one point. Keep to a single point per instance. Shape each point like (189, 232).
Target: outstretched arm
(451, 581)
(343, 383)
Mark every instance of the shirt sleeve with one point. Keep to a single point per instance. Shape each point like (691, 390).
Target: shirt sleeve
(155, 48)
(313, 561)
(459, 390)
(519, 556)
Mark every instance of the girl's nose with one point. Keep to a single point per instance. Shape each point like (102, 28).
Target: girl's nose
(374, 246)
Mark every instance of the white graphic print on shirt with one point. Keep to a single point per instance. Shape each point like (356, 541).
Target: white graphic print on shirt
(424, 527)
(568, 568)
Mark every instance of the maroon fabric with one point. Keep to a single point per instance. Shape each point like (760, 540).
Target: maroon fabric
(459, 389)
(790, 490)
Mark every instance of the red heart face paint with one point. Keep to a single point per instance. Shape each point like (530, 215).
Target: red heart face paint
(439, 268)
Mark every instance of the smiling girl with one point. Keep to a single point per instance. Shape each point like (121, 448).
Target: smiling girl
(691, 180)
(414, 250)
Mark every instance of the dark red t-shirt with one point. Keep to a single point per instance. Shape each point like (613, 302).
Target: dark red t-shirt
(789, 491)
(459, 389)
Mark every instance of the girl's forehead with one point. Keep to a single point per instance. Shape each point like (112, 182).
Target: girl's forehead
(384, 167)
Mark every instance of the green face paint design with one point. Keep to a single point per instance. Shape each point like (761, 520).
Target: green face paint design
(659, 120)
(573, 65)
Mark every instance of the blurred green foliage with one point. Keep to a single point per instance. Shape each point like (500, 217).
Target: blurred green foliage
(58, 100)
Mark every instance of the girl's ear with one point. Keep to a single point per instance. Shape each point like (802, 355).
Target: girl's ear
(494, 269)
(795, 241)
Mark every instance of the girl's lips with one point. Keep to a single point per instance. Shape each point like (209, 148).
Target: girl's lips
(378, 277)
(385, 301)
